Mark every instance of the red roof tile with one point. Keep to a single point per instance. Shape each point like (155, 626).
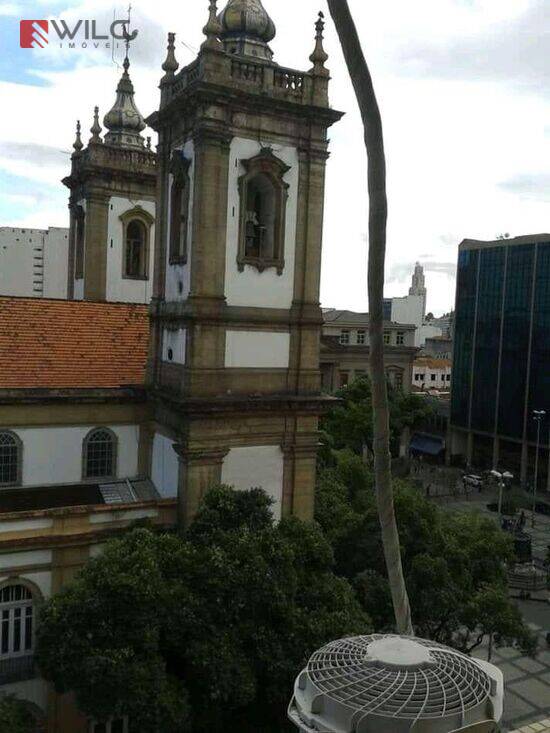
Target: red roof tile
(48, 344)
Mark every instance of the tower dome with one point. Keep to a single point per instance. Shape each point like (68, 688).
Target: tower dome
(247, 29)
(124, 121)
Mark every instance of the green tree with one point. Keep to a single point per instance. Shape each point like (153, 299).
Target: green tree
(350, 424)
(204, 631)
(454, 564)
(15, 716)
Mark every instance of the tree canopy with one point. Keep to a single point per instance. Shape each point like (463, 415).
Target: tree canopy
(204, 631)
(350, 424)
(454, 564)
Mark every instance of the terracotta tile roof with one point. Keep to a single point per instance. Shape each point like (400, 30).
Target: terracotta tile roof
(423, 361)
(47, 344)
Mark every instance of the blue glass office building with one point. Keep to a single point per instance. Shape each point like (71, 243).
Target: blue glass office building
(501, 367)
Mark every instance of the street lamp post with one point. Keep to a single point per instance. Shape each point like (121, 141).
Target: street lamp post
(538, 416)
(501, 477)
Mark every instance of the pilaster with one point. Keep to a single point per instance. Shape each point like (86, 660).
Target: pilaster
(95, 258)
(200, 469)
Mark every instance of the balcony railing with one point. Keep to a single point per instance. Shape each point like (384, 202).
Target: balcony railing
(17, 669)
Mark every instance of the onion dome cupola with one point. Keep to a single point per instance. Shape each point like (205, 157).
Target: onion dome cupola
(247, 29)
(125, 122)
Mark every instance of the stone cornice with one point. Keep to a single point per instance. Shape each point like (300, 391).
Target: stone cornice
(78, 396)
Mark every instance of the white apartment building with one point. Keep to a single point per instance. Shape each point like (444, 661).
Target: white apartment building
(33, 262)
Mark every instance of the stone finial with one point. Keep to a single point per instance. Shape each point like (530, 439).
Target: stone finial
(78, 145)
(212, 29)
(319, 55)
(171, 65)
(95, 129)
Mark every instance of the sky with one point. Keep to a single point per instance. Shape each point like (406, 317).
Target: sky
(463, 86)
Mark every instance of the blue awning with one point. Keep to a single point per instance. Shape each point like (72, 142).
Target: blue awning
(428, 444)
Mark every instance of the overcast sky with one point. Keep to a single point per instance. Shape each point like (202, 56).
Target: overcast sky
(464, 89)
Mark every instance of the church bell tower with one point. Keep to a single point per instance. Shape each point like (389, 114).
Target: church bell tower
(236, 320)
(112, 206)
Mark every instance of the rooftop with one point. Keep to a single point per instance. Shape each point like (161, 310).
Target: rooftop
(511, 241)
(56, 344)
(57, 497)
(333, 316)
(428, 361)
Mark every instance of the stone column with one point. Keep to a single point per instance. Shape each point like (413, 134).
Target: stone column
(95, 256)
(199, 470)
(305, 474)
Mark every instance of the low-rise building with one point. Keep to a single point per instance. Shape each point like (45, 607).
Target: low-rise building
(345, 350)
(438, 347)
(431, 374)
(33, 262)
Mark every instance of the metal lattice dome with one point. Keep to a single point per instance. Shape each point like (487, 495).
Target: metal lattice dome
(393, 684)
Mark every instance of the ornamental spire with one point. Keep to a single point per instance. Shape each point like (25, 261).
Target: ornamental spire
(95, 129)
(247, 29)
(213, 28)
(319, 55)
(78, 144)
(171, 65)
(124, 121)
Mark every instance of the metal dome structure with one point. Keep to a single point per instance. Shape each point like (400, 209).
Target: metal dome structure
(394, 684)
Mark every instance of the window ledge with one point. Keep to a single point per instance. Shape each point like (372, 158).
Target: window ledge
(261, 264)
(138, 279)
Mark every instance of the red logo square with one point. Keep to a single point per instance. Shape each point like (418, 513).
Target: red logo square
(34, 33)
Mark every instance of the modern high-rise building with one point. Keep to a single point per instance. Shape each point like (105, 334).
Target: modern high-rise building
(501, 367)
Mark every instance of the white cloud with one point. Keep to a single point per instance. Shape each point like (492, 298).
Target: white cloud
(450, 143)
(10, 9)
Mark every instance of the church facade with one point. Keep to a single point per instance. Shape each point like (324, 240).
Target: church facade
(188, 355)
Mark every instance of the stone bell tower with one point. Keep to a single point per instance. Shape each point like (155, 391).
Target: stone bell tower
(236, 320)
(112, 206)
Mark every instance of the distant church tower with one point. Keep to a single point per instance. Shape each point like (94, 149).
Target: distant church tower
(112, 207)
(236, 320)
(419, 287)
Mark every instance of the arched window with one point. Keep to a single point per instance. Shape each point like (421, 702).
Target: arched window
(10, 459)
(100, 454)
(179, 208)
(263, 194)
(136, 250)
(16, 627)
(136, 230)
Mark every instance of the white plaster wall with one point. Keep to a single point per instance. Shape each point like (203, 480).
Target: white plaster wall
(178, 277)
(41, 578)
(426, 332)
(119, 289)
(177, 341)
(256, 467)
(165, 466)
(53, 455)
(409, 310)
(257, 350)
(252, 288)
(56, 263)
